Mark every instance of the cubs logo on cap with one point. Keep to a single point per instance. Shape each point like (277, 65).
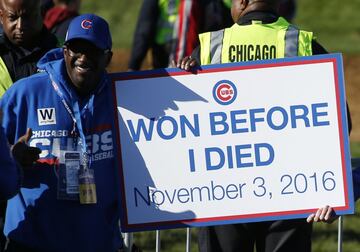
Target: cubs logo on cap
(86, 24)
(92, 28)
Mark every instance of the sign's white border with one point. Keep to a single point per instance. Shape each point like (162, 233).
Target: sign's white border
(129, 224)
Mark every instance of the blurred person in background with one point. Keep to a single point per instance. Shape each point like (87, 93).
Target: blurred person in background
(58, 18)
(45, 5)
(170, 28)
(23, 42)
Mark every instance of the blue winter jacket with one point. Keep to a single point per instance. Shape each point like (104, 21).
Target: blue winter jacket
(9, 173)
(36, 217)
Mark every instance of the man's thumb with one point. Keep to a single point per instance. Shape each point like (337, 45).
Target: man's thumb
(25, 138)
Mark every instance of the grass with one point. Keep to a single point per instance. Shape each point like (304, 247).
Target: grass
(355, 150)
(171, 240)
(121, 15)
(334, 23)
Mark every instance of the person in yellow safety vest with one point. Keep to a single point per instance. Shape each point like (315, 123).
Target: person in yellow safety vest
(258, 33)
(58, 18)
(228, 45)
(23, 42)
(275, 40)
(170, 28)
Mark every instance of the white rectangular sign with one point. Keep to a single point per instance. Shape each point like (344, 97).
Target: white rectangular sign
(233, 143)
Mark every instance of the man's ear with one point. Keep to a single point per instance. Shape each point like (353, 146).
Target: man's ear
(244, 4)
(64, 50)
(237, 8)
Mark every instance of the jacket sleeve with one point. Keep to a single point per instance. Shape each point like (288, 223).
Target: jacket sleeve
(145, 33)
(9, 120)
(9, 172)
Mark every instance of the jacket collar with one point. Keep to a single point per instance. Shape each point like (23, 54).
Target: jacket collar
(264, 17)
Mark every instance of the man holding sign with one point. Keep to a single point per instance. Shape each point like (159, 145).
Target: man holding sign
(258, 34)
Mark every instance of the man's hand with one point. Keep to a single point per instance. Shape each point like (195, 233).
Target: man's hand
(23, 153)
(324, 214)
(187, 63)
